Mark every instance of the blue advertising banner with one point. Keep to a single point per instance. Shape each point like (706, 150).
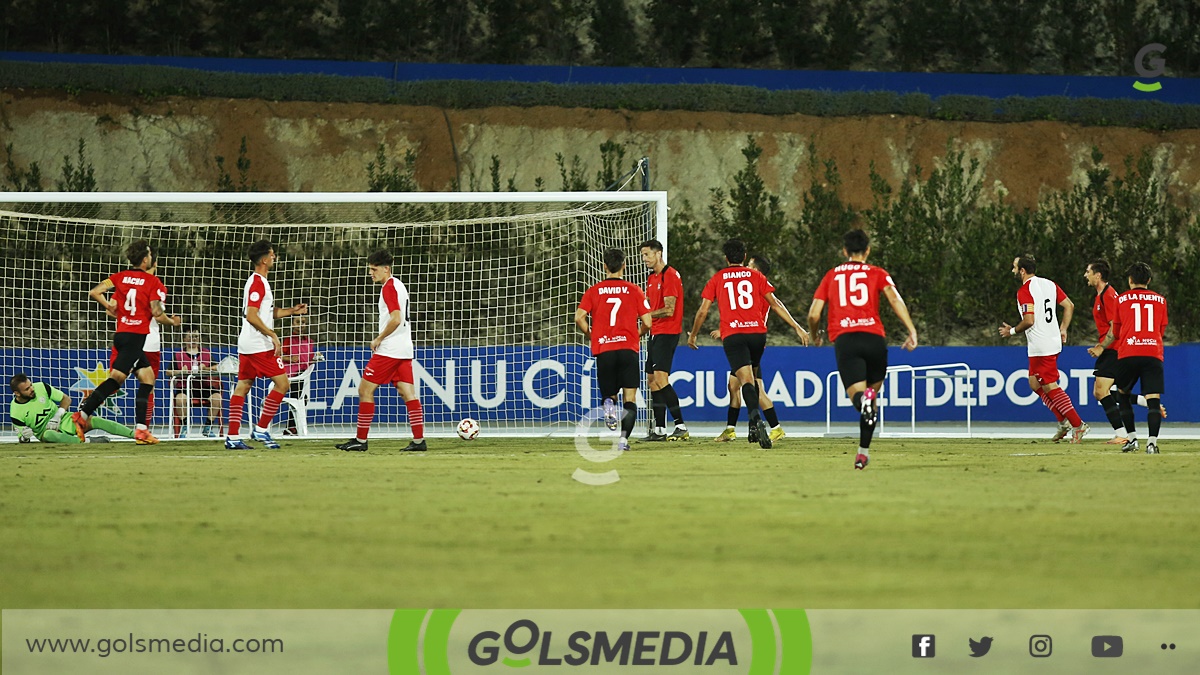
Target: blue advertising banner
(557, 384)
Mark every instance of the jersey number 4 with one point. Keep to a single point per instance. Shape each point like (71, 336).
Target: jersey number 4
(131, 302)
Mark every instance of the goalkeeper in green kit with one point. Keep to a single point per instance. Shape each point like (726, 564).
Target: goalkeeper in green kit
(42, 411)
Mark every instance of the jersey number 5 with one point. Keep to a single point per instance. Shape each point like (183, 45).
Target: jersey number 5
(1049, 311)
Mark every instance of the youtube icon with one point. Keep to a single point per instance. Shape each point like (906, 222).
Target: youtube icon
(1107, 646)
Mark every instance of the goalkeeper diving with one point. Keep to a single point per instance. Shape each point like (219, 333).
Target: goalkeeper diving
(39, 410)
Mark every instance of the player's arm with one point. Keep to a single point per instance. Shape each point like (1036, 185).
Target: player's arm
(780, 309)
(1026, 323)
(99, 293)
(645, 323)
(582, 324)
(256, 322)
(668, 308)
(395, 320)
(814, 319)
(701, 315)
(64, 406)
(299, 308)
(1103, 344)
(1068, 311)
(160, 314)
(901, 310)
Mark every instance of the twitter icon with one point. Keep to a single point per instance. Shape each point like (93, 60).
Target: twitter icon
(981, 647)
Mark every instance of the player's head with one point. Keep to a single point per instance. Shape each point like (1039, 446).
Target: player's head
(261, 252)
(759, 263)
(380, 265)
(1097, 272)
(855, 242)
(139, 255)
(1138, 273)
(21, 387)
(652, 251)
(614, 260)
(1024, 264)
(735, 251)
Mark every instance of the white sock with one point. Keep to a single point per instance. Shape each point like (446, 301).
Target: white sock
(681, 426)
(259, 430)
(237, 437)
(728, 428)
(1141, 400)
(142, 427)
(864, 451)
(661, 431)
(1132, 435)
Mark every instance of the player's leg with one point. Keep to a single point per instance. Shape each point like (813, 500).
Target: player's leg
(606, 379)
(237, 403)
(181, 414)
(141, 402)
(114, 428)
(274, 398)
(129, 353)
(1127, 377)
(851, 360)
(768, 407)
(366, 406)
(1152, 385)
(416, 414)
(658, 402)
(733, 412)
(627, 380)
(155, 361)
(214, 412)
(662, 363)
(756, 343)
(1105, 374)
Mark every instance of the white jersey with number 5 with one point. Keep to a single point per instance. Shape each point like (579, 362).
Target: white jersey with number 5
(1041, 297)
(393, 297)
(257, 293)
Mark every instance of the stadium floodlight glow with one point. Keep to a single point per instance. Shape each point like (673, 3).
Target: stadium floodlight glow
(494, 279)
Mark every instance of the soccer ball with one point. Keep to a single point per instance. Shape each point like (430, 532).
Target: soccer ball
(468, 429)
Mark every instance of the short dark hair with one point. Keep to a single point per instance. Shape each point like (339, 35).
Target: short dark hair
(259, 249)
(137, 252)
(614, 260)
(1101, 267)
(735, 251)
(761, 263)
(652, 244)
(17, 379)
(855, 242)
(1028, 263)
(1139, 273)
(380, 259)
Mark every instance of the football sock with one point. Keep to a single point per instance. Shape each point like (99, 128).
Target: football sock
(864, 451)
(1125, 403)
(772, 418)
(99, 394)
(236, 403)
(111, 427)
(671, 399)
(416, 418)
(270, 407)
(629, 419)
(1154, 417)
(857, 401)
(865, 431)
(1049, 403)
(1064, 406)
(1111, 411)
(150, 408)
(141, 401)
(750, 399)
(366, 413)
(659, 404)
(731, 417)
(1142, 401)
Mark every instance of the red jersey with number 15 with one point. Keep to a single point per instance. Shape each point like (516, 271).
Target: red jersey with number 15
(741, 296)
(852, 292)
(134, 290)
(616, 306)
(1143, 315)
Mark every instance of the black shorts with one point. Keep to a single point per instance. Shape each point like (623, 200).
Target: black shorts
(1148, 369)
(1106, 364)
(661, 352)
(744, 349)
(130, 357)
(617, 370)
(861, 357)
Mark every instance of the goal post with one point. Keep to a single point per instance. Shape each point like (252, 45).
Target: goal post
(494, 279)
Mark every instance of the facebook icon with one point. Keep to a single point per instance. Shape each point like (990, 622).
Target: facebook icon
(923, 646)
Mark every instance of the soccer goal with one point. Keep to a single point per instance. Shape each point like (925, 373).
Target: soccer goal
(494, 280)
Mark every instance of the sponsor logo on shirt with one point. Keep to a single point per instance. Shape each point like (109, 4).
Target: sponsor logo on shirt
(744, 324)
(847, 322)
(605, 340)
(254, 295)
(1142, 342)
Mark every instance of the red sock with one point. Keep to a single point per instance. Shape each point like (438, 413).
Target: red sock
(1049, 402)
(150, 409)
(366, 413)
(416, 418)
(270, 407)
(236, 403)
(1065, 407)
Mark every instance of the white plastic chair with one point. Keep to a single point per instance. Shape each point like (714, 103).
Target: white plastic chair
(300, 405)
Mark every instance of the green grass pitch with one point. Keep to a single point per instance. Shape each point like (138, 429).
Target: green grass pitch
(501, 523)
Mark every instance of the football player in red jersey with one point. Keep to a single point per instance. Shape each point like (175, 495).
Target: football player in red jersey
(664, 292)
(743, 296)
(852, 291)
(137, 301)
(620, 316)
(1141, 315)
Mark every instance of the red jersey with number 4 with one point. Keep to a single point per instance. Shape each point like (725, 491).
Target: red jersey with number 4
(134, 290)
(852, 292)
(1143, 315)
(661, 285)
(741, 297)
(616, 306)
(1104, 310)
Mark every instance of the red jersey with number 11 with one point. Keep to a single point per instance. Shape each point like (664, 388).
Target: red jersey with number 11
(1143, 315)
(852, 292)
(134, 290)
(616, 306)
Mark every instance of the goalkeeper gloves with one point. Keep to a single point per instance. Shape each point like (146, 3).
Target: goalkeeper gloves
(52, 425)
(26, 435)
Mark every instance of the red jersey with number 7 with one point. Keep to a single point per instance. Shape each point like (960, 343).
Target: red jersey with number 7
(741, 296)
(1143, 315)
(134, 290)
(616, 306)
(852, 292)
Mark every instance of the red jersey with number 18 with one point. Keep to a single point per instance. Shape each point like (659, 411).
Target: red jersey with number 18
(852, 292)
(741, 297)
(1143, 315)
(615, 306)
(133, 291)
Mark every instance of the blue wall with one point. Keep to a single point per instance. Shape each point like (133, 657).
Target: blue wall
(557, 384)
(1177, 90)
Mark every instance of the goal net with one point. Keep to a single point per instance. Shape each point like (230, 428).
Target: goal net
(494, 280)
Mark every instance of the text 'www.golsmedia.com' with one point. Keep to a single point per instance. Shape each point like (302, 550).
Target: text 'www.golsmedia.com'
(131, 644)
